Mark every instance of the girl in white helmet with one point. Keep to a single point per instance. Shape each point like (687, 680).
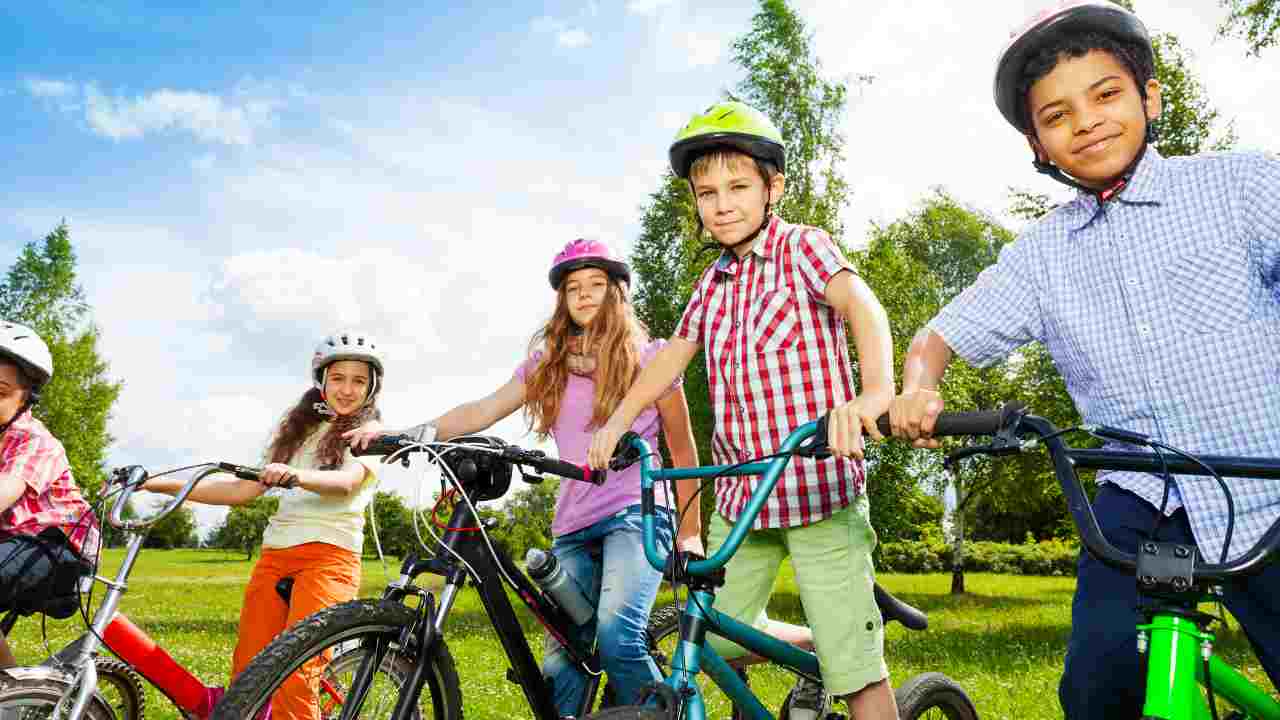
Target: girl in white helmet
(46, 527)
(317, 534)
(579, 366)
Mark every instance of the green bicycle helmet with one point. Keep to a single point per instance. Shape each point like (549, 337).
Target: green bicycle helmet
(733, 124)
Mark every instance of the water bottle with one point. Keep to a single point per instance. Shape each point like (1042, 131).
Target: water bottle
(546, 571)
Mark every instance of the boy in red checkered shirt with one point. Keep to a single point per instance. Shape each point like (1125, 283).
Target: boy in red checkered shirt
(46, 527)
(770, 314)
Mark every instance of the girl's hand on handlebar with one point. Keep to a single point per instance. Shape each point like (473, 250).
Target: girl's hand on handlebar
(363, 435)
(278, 475)
(912, 416)
(603, 443)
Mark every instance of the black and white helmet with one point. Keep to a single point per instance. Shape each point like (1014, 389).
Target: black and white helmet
(348, 345)
(23, 346)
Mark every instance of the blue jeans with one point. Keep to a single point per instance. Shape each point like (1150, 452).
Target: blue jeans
(607, 561)
(1103, 677)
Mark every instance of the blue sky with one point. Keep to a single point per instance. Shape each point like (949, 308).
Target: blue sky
(240, 180)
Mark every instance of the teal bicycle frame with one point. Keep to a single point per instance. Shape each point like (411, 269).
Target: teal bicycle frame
(700, 617)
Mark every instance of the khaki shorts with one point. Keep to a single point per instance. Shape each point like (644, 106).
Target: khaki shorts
(832, 560)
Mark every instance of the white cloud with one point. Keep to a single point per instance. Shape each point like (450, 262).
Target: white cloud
(567, 36)
(40, 87)
(573, 38)
(648, 7)
(208, 117)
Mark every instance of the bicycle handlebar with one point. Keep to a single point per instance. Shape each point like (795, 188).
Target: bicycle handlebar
(632, 448)
(133, 476)
(388, 444)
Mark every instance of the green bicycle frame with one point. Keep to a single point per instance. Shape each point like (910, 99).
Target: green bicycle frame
(1176, 672)
(691, 657)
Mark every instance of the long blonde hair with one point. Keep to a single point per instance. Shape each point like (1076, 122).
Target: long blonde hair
(616, 336)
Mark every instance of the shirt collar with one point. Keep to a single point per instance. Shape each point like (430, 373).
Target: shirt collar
(766, 243)
(1146, 187)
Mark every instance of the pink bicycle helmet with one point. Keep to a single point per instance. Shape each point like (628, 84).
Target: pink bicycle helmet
(1062, 18)
(582, 253)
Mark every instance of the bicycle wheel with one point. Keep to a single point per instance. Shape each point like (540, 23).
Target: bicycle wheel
(36, 698)
(331, 641)
(934, 696)
(121, 689)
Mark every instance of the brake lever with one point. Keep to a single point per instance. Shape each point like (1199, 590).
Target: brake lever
(628, 456)
(1004, 442)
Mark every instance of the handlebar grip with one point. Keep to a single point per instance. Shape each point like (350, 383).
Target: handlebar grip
(566, 469)
(243, 472)
(983, 422)
(384, 445)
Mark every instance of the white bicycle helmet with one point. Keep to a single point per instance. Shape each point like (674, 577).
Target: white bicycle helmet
(348, 345)
(23, 346)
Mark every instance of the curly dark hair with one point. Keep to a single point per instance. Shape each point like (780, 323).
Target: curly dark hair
(303, 419)
(1132, 56)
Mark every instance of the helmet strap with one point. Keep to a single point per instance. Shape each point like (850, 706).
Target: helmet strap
(26, 405)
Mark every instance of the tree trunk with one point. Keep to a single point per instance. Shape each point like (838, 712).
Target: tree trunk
(957, 556)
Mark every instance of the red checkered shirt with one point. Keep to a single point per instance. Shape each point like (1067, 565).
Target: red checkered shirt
(51, 498)
(777, 357)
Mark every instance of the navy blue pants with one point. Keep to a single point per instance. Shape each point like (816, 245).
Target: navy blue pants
(1102, 677)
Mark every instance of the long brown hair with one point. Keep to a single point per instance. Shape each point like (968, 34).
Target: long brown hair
(616, 336)
(303, 419)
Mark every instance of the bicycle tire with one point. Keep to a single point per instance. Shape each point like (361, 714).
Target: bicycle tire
(919, 697)
(127, 697)
(341, 628)
(36, 698)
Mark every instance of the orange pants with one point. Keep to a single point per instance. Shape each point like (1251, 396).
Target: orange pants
(323, 575)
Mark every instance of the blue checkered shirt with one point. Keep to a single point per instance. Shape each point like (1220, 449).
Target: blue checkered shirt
(1161, 310)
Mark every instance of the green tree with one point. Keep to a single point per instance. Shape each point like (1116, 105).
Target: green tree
(243, 527)
(915, 266)
(1257, 22)
(394, 523)
(175, 530)
(41, 290)
(1187, 121)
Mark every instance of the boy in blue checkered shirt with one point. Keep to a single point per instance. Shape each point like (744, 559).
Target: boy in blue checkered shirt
(1157, 293)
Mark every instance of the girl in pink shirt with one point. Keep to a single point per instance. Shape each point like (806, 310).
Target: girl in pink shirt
(580, 365)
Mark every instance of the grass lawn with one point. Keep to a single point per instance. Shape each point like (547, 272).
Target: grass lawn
(1003, 641)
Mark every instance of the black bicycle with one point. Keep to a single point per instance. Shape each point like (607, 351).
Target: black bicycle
(404, 668)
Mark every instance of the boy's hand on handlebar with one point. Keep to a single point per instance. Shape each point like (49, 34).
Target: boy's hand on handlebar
(278, 475)
(913, 415)
(360, 438)
(603, 443)
(847, 422)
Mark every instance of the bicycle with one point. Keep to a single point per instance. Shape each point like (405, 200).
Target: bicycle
(1172, 579)
(69, 683)
(679, 696)
(393, 635)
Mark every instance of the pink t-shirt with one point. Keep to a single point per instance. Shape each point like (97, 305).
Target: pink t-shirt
(583, 504)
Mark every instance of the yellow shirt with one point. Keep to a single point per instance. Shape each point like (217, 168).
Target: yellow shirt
(305, 516)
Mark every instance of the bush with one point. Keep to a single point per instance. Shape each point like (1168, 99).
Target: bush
(1048, 557)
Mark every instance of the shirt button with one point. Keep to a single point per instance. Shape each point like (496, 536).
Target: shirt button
(1133, 281)
(1144, 329)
